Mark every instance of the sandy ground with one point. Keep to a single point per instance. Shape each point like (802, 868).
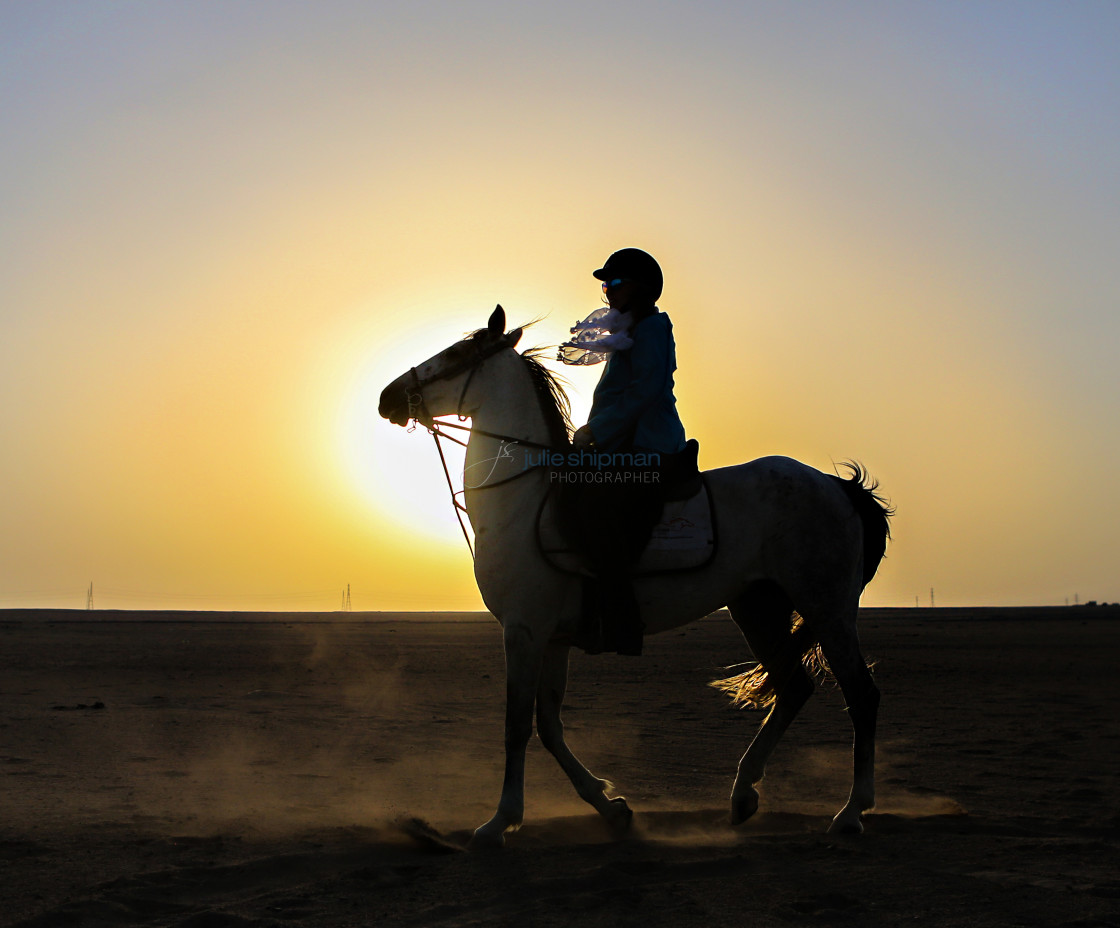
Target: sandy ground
(214, 771)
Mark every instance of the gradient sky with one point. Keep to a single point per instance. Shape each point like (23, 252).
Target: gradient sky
(889, 230)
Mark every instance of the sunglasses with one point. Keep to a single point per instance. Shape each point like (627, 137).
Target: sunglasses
(611, 284)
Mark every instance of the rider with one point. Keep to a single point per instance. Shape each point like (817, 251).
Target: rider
(633, 406)
(633, 412)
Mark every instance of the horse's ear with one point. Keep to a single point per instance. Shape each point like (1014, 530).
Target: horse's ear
(513, 337)
(497, 324)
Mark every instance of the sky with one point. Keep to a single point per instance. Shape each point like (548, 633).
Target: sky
(888, 229)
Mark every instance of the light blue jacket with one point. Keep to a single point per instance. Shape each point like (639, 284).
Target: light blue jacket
(633, 406)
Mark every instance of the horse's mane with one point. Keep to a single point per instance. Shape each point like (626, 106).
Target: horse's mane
(549, 390)
(551, 396)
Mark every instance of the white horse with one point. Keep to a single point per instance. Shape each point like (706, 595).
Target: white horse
(791, 538)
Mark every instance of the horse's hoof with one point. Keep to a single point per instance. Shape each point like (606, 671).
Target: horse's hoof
(743, 807)
(846, 823)
(486, 839)
(618, 816)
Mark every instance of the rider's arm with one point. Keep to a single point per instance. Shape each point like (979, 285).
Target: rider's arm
(651, 370)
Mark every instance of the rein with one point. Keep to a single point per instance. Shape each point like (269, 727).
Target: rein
(418, 413)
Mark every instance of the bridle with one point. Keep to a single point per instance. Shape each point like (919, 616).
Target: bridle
(418, 413)
(416, 405)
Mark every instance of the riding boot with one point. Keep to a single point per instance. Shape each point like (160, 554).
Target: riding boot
(622, 618)
(610, 620)
(590, 636)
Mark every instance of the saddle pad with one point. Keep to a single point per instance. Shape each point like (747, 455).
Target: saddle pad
(684, 538)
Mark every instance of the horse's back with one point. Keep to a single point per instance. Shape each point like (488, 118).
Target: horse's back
(792, 523)
(774, 481)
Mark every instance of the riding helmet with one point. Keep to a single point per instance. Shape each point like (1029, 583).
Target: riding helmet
(634, 264)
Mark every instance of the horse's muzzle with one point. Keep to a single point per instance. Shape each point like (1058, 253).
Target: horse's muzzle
(394, 405)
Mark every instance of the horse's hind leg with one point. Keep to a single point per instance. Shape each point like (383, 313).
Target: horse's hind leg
(763, 615)
(840, 644)
(550, 729)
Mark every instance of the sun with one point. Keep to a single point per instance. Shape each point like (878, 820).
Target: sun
(397, 471)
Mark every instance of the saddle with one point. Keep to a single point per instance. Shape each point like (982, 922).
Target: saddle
(684, 538)
(682, 473)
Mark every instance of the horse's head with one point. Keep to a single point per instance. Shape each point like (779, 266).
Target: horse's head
(439, 385)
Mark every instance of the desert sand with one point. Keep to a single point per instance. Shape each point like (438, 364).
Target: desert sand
(208, 770)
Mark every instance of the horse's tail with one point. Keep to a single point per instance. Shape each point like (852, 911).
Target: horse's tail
(874, 511)
(755, 688)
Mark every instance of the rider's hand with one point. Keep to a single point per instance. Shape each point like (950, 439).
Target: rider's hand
(583, 438)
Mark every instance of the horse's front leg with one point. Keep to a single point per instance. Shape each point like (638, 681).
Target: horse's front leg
(550, 729)
(523, 667)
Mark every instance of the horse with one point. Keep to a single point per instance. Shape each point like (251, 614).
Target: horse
(796, 549)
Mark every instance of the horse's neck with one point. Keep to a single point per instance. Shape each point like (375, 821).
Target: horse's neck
(506, 405)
